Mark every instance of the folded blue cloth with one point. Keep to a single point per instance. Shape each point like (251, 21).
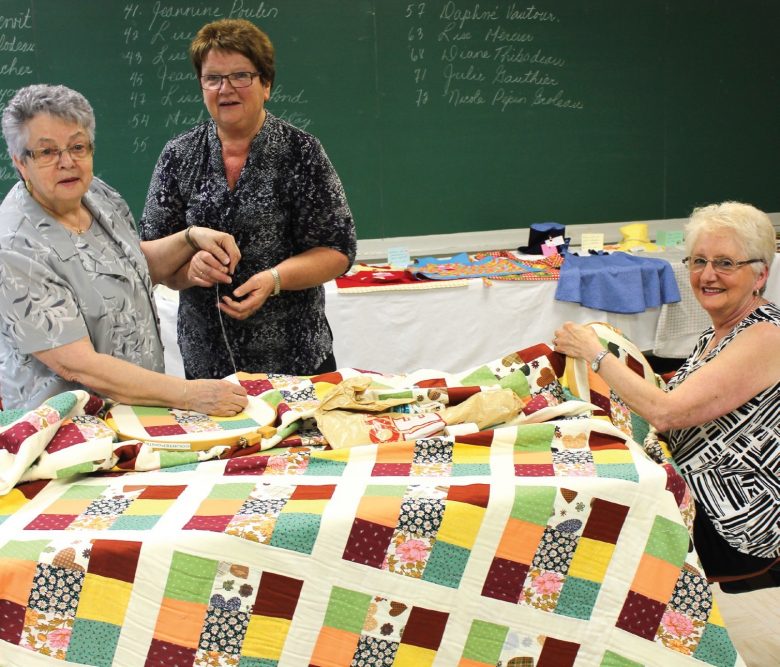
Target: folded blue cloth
(617, 283)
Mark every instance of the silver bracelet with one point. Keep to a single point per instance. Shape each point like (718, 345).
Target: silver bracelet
(277, 281)
(187, 238)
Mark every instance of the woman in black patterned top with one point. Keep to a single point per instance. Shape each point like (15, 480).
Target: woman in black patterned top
(271, 186)
(722, 411)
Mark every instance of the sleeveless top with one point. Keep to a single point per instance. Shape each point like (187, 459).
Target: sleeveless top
(732, 463)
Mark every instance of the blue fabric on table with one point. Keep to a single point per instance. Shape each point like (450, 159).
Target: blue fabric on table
(617, 283)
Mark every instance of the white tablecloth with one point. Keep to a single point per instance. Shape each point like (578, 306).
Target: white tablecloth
(453, 329)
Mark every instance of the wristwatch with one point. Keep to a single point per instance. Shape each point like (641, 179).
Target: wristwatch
(596, 363)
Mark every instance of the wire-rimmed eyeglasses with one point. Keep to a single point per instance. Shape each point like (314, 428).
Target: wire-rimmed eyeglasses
(236, 79)
(725, 265)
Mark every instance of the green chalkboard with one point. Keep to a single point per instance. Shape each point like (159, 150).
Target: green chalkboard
(448, 115)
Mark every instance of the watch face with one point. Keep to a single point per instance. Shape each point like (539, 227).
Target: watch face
(596, 363)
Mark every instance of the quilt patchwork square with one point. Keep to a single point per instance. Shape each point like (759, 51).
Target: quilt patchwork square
(669, 600)
(287, 516)
(19, 496)
(287, 461)
(159, 422)
(221, 612)
(490, 644)
(68, 582)
(582, 453)
(555, 550)
(78, 429)
(418, 531)
(107, 507)
(363, 629)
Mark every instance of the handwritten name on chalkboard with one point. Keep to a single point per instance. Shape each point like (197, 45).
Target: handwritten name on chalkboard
(17, 53)
(461, 55)
(172, 98)
(472, 54)
(16, 49)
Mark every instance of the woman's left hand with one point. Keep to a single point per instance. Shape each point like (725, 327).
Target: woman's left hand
(205, 270)
(216, 258)
(248, 297)
(577, 340)
(221, 245)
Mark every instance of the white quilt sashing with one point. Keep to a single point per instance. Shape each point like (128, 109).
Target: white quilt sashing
(42, 443)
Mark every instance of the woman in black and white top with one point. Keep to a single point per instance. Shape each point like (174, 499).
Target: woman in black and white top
(271, 187)
(721, 414)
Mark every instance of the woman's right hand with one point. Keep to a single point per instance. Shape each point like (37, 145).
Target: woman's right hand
(215, 397)
(579, 341)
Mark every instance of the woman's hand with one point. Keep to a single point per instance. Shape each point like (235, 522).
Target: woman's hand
(215, 397)
(205, 270)
(216, 258)
(578, 341)
(248, 297)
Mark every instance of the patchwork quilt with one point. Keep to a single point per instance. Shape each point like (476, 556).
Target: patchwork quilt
(549, 540)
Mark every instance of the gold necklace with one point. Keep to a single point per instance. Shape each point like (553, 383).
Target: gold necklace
(78, 229)
(73, 230)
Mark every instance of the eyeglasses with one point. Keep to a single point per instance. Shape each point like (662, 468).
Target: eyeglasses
(724, 265)
(48, 156)
(237, 80)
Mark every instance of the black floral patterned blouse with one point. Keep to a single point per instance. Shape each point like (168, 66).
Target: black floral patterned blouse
(288, 199)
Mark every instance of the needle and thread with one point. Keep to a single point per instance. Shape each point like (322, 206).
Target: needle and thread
(224, 333)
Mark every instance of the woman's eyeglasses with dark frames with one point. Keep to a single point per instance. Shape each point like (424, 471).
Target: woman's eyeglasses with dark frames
(237, 80)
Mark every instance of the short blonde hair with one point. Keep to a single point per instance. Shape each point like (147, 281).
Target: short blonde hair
(240, 36)
(751, 228)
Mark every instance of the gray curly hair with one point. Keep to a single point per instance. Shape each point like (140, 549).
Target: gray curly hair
(58, 101)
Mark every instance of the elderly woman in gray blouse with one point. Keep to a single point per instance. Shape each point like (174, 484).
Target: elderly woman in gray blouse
(76, 304)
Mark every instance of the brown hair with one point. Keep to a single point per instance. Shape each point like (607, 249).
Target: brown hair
(237, 35)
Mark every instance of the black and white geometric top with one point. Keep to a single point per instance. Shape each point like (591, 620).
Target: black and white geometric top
(732, 463)
(288, 198)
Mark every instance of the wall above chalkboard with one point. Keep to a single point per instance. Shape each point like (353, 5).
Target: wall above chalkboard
(448, 116)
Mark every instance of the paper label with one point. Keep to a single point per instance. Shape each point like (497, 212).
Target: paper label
(670, 238)
(592, 241)
(549, 250)
(173, 446)
(398, 257)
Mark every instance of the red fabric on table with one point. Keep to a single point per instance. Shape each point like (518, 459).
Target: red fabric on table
(377, 278)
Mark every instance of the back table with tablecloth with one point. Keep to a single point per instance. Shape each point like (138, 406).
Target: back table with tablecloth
(450, 328)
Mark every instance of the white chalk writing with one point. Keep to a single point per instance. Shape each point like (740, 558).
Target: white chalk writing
(487, 53)
(17, 68)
